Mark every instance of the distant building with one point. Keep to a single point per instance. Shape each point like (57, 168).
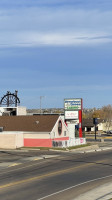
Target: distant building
(88, 126)
(12, 111)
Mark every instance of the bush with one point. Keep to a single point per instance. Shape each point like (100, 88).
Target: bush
(83, 134)
(77, 133)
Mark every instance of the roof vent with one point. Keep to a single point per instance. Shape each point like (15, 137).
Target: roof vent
(37, 122)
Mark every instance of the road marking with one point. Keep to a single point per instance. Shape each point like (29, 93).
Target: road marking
(14, 164)
(21, 167)
(45, 175)
(43, 160)
(74, 186)
(38, 158)
(49, 174)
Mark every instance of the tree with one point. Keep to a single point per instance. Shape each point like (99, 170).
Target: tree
(97, 114)
(84, 115)
(107, 115)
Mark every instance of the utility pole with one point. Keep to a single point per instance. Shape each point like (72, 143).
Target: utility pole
(41, 104)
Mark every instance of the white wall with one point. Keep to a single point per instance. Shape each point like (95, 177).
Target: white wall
(11, 140)
(77, 141)
(71, 128)
(21, 110)
(93, 129)
(100, 127)
(1, 111)
(35, 135)
(104, 126)
(54, 132)
(19, 140)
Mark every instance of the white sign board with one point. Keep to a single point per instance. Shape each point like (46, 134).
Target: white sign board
(73, 104)
(71, 114)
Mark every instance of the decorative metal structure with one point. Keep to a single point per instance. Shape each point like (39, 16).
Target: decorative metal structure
(10, 99)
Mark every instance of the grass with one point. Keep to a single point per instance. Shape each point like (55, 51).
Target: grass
(79, 146)
(57, 148)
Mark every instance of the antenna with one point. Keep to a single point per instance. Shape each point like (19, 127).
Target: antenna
(41, 104)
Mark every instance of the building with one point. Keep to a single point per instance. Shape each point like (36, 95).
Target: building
(9, 111)
(88, 125)
(36, 131)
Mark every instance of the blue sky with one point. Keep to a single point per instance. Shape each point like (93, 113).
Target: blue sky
(57, 49)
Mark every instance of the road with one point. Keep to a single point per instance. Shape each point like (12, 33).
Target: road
(105, 137)
(64, 176)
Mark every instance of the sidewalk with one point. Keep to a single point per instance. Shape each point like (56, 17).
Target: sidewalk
(94, 147)
(103, 192)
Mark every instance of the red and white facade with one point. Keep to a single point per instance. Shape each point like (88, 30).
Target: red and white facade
(57, 137)
(62, 135)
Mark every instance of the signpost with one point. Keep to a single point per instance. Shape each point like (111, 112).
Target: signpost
(73, 112)
(95, 122)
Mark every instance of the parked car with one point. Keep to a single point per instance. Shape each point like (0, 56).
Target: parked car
(109, 132)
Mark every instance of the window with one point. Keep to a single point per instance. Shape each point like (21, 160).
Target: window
(59, 127)
(64, 133)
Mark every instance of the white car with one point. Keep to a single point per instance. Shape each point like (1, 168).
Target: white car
(109, 132)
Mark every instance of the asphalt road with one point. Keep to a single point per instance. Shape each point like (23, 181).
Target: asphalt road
(105, 137)
(63, 177)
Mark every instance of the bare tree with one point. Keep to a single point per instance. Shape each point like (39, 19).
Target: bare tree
(107, 115)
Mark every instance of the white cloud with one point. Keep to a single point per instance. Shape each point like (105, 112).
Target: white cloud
(29, 39)
(36, 27)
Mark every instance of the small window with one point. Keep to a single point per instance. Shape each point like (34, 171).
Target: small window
(59, 127)
(64, 133)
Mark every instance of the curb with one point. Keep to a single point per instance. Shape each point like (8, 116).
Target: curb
(98, 150)
(91, 150)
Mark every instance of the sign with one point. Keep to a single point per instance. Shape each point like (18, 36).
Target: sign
(95, 121)
(73, 104)
(71, 115)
